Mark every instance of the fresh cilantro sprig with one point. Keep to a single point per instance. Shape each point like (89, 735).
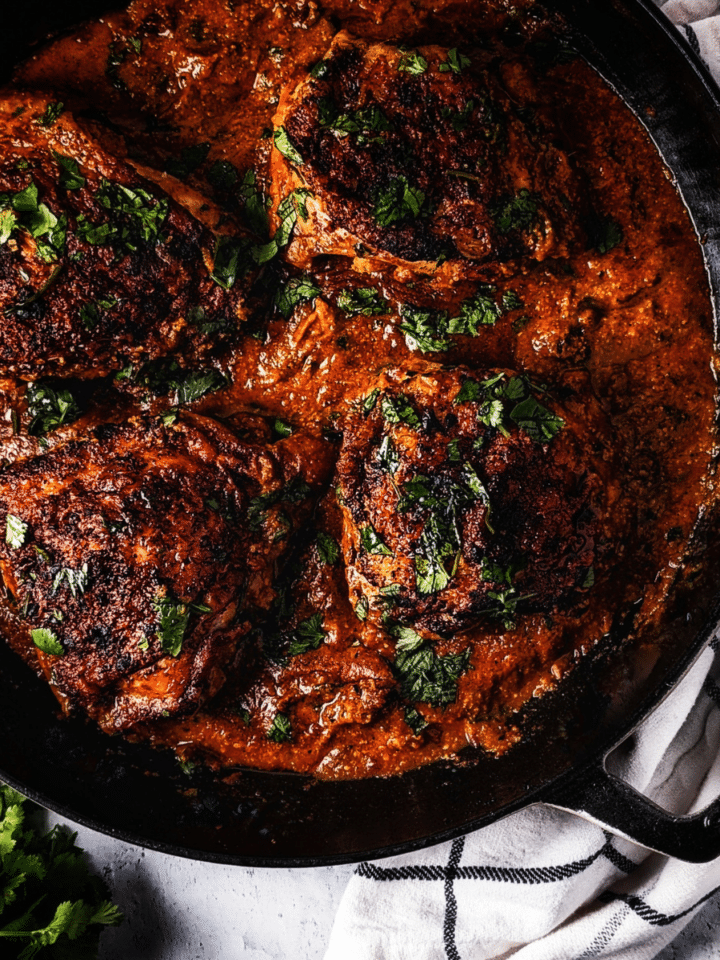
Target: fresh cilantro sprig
(412, 62)
(365, 124)
(296, 291)
(362, 301)
(456, 62)
(69, 176)
(328, 548)
(398, 202)
(135, 218)
(509, 402)
(308, 635)
(23, 210)
(50, 406)
(281, 729)
(50, 905)
(423, 675)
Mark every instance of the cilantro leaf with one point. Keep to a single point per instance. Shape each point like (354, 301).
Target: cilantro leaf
(415, 720)
(425, 677)
(540, 424)
(75, 579)
(287, 148)
(370, 400)
(294, 204)
(327, 548)
(173, 618)
(136, 218)
(425, 330)
(320, 70)
(15, 531)
(281, 729)
(399, 410)
(515, 213)
(412, 62)
(456, 62)
(163, 377)
(398, 202)
(51, 113)
(387, 457)
(8, 222)
(50, 407)
(372, 542)
(479, 310)
(295, 491)
(70, 177)
(511, 301)
(231, 260)
(296, 291)
(308, 635)
(46, 641)
(364, 301)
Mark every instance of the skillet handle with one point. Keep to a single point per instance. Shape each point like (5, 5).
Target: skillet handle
(611, 803)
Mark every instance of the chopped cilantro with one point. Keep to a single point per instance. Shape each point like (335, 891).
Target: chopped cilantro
(540, 424)
(412, 62)
(459, 119)
(163, 377)
(296, 291)
(51, 113)
(231, 260)
(50, 407)
(8, 222)
(415, 720)
(135, 218)
(294, 204)
(365, 124)
(456, 62)
(46, 641)
(362, 608)
(424, 676)
(173, 618)
(281, 729)
(425, 330)
(511, 301)
(328, 548)
(37, 219)
(398, 202)
(15, 531)
(399, 410)
(589, 580)
(479, 310)
(199, 382)
(515, 213)
(373, 543)
(70, 177)
(308, 635)
(91, 313)
(286, 147)
(189, 160)
(370, 400)
(281, 429)
(320, 70)
(387, 457)
(293, 492)
(365, 301)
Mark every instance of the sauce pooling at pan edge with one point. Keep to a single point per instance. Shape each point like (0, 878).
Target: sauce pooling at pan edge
(356, 376)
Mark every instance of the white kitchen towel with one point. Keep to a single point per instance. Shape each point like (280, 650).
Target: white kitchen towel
(543, 884)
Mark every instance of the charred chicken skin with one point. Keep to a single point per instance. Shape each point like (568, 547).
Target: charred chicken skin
(420, 156)
(465, 496)
(134, 557)
(98, 266)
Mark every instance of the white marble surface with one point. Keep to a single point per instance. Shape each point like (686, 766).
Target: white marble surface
(185, 910)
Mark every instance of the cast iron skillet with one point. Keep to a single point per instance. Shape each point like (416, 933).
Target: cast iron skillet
(140, 795)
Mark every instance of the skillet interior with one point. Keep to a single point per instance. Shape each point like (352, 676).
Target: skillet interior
(136, 793)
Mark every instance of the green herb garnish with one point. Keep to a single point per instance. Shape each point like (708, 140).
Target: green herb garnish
(424, 676)
(50, 407)
(308, 635)
(372, 542)
(51, 906)
(286, 147)
(398, 202)
(173, 621)
(328, 548)
(51, 113)
(15, 531)
(515, 213)
(412, 62)
(425, 330)
(399, 410)
(75, 579)
(46, 641)
(364, 301)
(281, 729)
(296, 291)
(70, 177)
(456, 62)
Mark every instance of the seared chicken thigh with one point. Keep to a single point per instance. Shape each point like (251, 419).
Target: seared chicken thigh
(464, 496)
(416, 157)
(135, 556)
(98, 266)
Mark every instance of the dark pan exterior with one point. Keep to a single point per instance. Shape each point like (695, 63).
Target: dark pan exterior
(140, 795)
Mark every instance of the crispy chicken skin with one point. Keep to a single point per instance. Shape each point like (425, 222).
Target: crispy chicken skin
(465, 497)
(416, 156)
(98, 266)
(145, 548)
